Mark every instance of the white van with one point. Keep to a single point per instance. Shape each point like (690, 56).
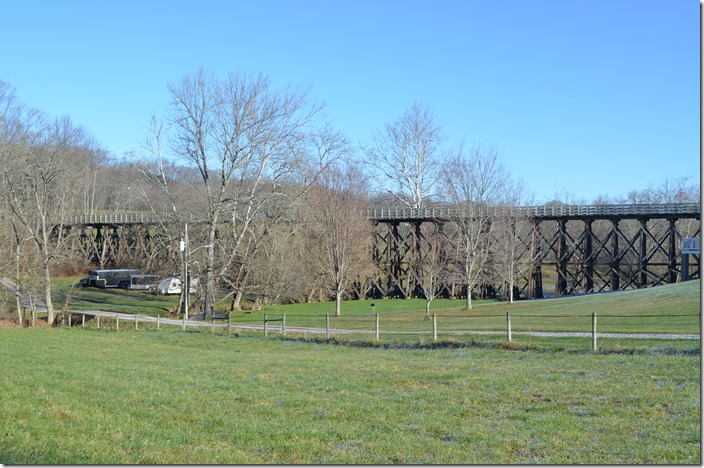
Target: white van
(172, 285)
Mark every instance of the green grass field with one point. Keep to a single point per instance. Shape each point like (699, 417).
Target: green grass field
(636, 311)
(665, 309)
(94, 396)
(85, 396)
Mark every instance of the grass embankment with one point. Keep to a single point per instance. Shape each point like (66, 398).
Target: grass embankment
(664, 309)
(85, 396)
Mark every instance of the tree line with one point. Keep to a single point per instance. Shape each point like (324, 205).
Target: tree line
(283, 193)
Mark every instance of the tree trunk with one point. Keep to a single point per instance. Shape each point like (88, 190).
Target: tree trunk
(338, 300)
(18, 302)
(236, 301)
(47, 295)
(510, 293)
(209, 298)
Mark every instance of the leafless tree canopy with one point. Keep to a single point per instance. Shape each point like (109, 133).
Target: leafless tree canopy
(280, 196)
(407, 156)
(339, 236)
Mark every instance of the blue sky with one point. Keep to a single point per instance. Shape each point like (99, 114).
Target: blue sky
(587, 98)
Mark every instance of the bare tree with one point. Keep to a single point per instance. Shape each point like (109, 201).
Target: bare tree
(40, 183)
(406, 157)
(679, 190)
(249, 146)
(474, 184)
(339, 237)
(434, 268)
(513, 228)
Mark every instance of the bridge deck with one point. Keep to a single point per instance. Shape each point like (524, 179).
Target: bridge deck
(689, 210)
(680, 210)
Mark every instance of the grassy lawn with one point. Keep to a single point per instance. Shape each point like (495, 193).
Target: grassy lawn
(86, 396)
(636, 311)
(669, 309)
(111, 299)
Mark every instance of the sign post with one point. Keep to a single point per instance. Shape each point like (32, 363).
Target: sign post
(690, 246)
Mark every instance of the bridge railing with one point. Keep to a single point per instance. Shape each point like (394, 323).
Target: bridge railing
(402, 213)
(125, 218)
(399, 213)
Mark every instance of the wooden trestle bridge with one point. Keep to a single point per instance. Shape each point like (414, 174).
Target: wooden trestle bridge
(563, 249)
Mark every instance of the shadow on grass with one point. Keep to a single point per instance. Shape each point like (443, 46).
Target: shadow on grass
(504, 346)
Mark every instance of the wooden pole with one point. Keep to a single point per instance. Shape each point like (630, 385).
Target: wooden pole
(97, 321)
(265, 320)
(327, 326)
(136, 319)
(229, 322)
(117, 323)
(283, 324)
(157, 322)
(594, 331)
(377, 327)
(83, 320)
(435, 327)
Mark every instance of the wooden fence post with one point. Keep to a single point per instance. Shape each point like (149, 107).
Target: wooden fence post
(157, 321)
(327, 326)
(136, 319)
(117, 323)
(83, 320)
(594, 331)
(97, 321)
(283, 324)
(377, 327)
(265, 320)
(229, 322)
(435, 327)
(508, 326)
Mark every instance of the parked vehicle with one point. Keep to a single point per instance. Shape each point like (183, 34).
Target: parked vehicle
(108, 278)
(172, 285)
(142, 282)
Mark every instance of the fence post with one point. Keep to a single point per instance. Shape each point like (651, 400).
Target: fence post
(594, 331)
(157, 321)
(136, 326)
(97, 321)
(508, 326)
(377, 327)
(265, 320)
(327, 326)
(229, 322)
(283, 324)
(435, 327)
(117, 323)
(83, 320)
(68, 317)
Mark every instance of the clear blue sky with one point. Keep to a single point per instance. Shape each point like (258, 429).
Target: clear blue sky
(596, 97)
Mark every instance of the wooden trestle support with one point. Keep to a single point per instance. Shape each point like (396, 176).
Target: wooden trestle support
(564, 250)
(561, 254)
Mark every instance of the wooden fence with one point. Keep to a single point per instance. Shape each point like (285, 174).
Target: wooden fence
(277, 324)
